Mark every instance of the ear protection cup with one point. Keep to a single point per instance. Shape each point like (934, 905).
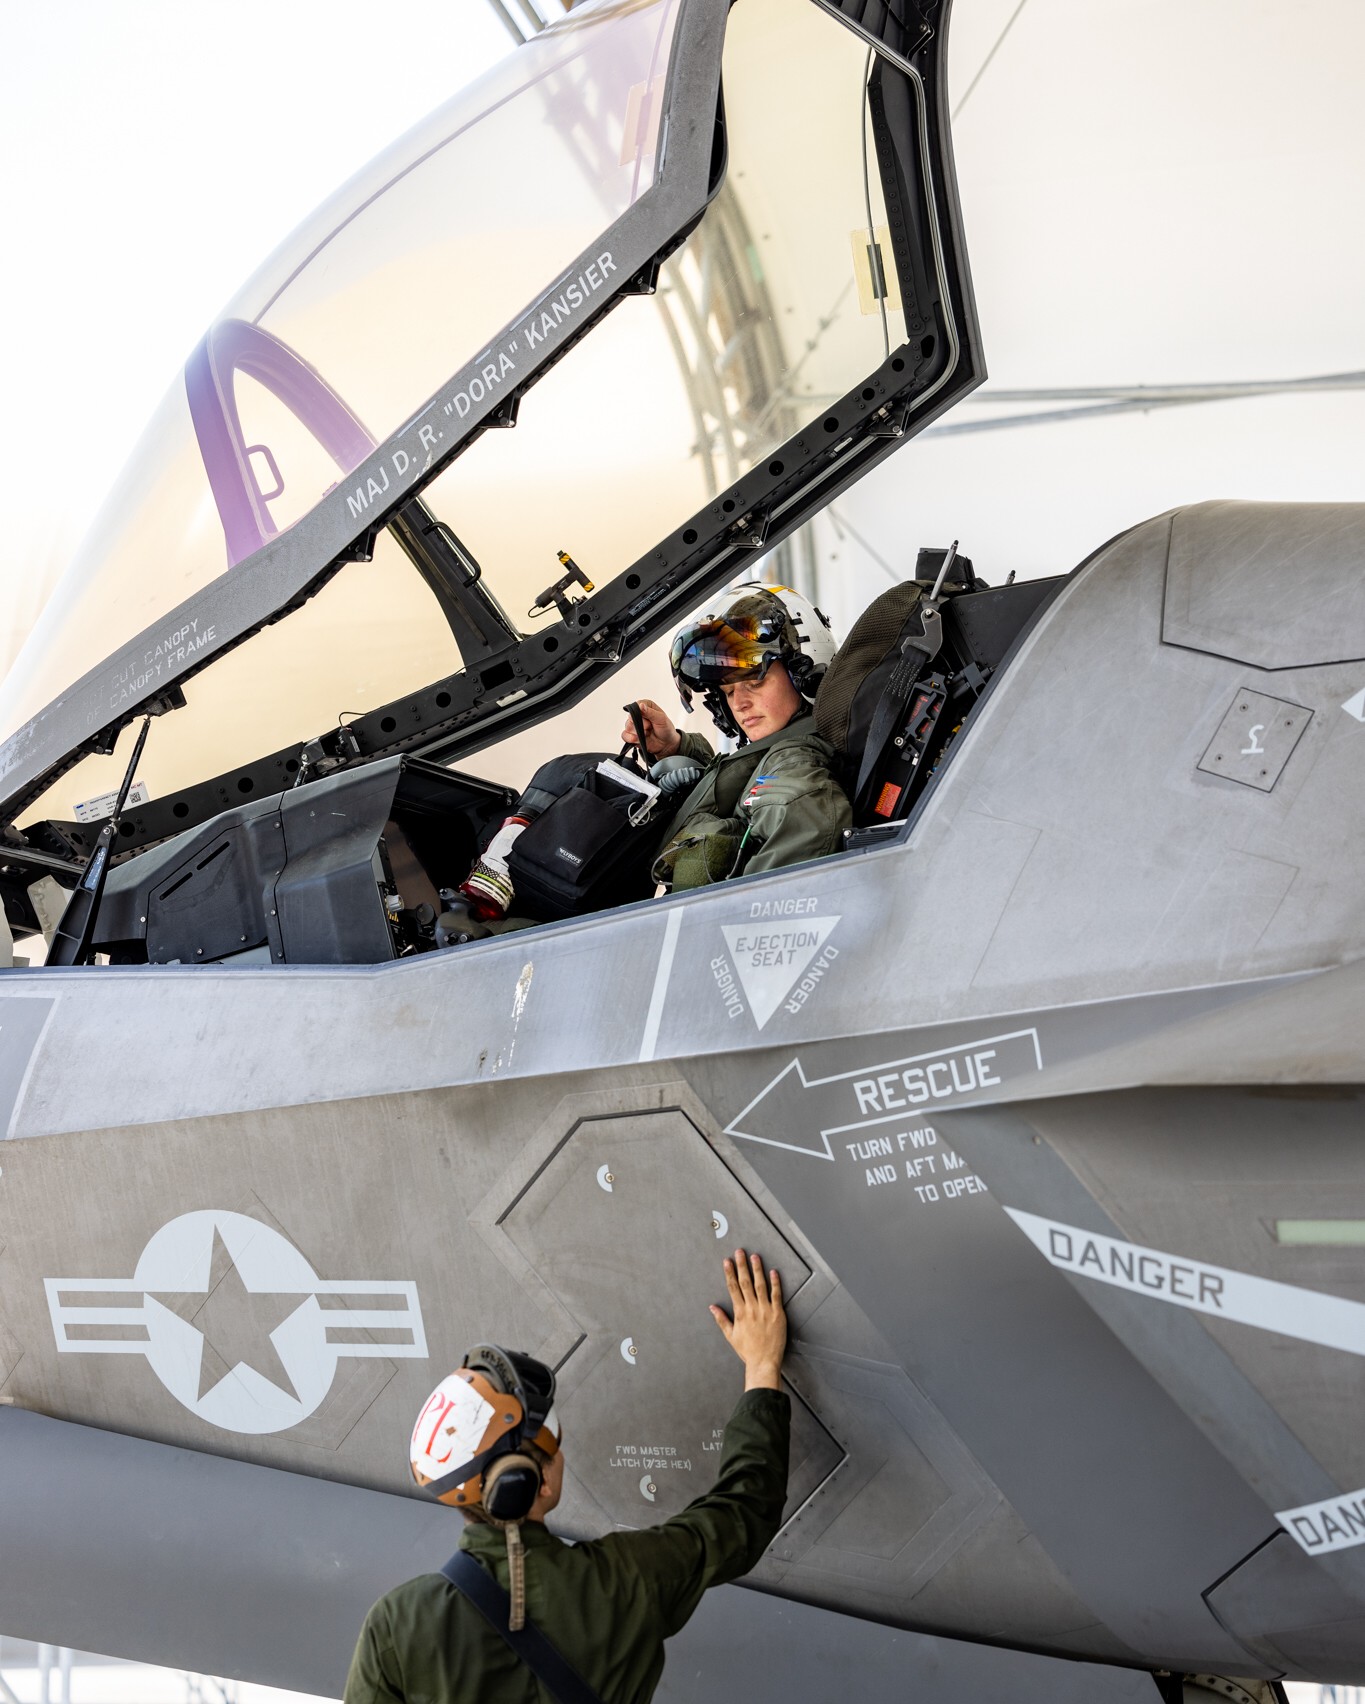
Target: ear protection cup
(510, 1485)
(802, 669)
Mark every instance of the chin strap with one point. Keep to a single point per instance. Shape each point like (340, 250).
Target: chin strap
(715, 701)
(516, 1568)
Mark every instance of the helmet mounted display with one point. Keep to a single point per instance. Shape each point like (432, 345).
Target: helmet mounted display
(760, 626)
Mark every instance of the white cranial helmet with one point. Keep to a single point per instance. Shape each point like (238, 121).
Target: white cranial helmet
(747, 630)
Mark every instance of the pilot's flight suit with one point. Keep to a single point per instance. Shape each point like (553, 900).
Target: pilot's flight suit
(778, 789)
(607, 1605)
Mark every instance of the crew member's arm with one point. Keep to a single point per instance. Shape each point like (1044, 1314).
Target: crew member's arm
(795, 810)
(695, 746)
(723, 1534)
(375, 1677)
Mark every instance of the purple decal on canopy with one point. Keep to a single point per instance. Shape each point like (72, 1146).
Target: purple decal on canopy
(231, 347)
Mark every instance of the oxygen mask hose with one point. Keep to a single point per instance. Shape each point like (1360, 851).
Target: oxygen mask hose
(675, 774)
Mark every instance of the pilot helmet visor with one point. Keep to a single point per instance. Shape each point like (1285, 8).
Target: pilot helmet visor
(722, 650)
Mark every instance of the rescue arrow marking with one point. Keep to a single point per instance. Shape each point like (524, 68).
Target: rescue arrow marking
(891, 1093)
(1309, 1315)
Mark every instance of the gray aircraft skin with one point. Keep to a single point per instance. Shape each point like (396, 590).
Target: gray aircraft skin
(1044, 1098)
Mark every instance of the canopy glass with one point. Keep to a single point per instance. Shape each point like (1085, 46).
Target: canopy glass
(395, 282)
(762, 318)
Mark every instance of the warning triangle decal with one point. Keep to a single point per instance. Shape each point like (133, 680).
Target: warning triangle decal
(770, 958)
(1356, 706)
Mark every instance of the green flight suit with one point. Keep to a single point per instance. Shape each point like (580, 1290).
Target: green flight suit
(607, 1605)
(793, 808)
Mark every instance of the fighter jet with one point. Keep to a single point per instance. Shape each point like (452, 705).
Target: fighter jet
(1042, 1093)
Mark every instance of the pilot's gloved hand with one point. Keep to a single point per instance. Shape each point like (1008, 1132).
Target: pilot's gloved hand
(661, 737)
(675, 774)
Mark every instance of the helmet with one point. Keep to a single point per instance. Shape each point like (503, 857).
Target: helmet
(469, 1444)
(753, 628)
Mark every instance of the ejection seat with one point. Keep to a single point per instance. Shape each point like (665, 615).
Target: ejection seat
(904, 682)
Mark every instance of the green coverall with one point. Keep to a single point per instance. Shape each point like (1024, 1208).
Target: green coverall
(797, 809)
(608, 1605)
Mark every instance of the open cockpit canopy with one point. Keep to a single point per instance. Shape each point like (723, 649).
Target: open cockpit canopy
(339, 537)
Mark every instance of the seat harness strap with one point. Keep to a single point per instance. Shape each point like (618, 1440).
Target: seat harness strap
(917, 653)
(566, 1686)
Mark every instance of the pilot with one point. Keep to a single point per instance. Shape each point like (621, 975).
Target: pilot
(756, 663)
(516, 1604)
(771, 801)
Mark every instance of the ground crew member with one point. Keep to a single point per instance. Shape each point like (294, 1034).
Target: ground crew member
(606, 1606)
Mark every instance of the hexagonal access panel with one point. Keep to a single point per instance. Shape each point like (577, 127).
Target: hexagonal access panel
(653, 1381)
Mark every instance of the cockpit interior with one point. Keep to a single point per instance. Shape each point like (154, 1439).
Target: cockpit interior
(358, 866)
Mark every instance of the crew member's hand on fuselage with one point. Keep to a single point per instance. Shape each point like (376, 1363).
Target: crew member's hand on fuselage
(758, 1331)
(661, 738)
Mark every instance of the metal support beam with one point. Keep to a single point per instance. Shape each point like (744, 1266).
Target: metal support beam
(1132, 399)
